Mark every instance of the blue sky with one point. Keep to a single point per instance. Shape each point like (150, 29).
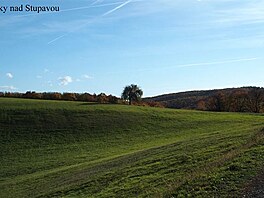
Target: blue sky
(163, 46)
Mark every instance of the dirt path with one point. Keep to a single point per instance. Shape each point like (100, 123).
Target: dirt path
(255, 189)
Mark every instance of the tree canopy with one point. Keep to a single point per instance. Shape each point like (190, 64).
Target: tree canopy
(132, 93)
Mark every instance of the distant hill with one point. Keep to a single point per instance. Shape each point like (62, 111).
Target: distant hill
(192, 99)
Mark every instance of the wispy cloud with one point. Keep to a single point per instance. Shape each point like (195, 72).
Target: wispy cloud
(91, 6)
(218, 62)
(50, 83)
(11, 20)
(9, 75)
(85, 24)
(59, 27)
(244, 13)
(52, 41)
(85, 76)
(71, 9)
(8, 88)
(65, 80)
(116, 8)
(97, 1)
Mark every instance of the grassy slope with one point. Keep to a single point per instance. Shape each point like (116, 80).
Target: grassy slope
(69, 149)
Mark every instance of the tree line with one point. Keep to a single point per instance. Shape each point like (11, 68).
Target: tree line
(131, 95)
(240, 100)
(85, 97)
(246, 99)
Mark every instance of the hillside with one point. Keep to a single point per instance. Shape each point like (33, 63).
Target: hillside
(187, 100)
(77, 149)
(231, 99)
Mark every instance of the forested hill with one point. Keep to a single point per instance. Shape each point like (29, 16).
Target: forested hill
(244, 99)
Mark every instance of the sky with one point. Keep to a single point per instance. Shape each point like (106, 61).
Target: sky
(163, 46)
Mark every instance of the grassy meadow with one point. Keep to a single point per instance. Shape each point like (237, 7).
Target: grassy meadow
(77, 149)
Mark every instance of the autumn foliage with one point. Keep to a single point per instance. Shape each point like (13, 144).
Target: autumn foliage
(245, 99)
(85, 97)
(251, 100)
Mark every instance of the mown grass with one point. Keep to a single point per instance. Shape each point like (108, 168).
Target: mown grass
(75, 149)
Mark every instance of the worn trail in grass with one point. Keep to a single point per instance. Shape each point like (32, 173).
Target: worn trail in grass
(69, 149)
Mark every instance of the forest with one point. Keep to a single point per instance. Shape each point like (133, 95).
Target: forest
(244, 99)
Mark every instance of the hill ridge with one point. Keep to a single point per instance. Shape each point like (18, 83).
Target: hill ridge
(227, 99)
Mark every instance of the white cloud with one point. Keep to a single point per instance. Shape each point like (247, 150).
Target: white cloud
(83, 78)
(9, 88)
(38, 76)
(87, 76)
(65, 80)
(9, 75)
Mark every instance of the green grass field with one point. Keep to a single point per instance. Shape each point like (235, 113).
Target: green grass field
(75, 149)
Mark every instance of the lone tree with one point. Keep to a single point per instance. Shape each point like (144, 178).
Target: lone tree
(132, 93)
